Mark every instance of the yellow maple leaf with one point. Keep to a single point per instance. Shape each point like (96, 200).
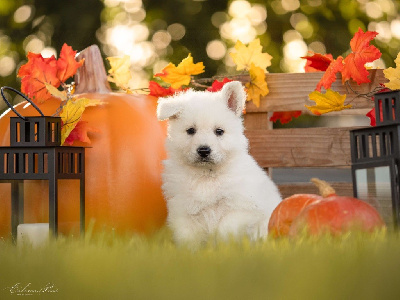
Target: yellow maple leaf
(180, 75)
(72, 112)
(393, 74)
(120, 73)
(330, 101)
(252, 54)
(257, 86)
(56, 92)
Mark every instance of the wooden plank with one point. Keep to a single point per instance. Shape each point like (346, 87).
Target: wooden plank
(289, 91)
(300, 147)
(341, 188)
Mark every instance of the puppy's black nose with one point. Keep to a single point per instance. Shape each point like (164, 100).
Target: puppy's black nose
(204, 151)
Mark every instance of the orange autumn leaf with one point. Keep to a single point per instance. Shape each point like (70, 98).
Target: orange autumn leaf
(35, 74)
(180, 75)
(285, 116)
(362, 53)
(39, 73)
(317, 62)
(327, 102)
(329, 76)
(157, 90)
(257, 86)
(66, 63)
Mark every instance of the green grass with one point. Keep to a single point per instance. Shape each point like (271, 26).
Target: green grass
(107, 267)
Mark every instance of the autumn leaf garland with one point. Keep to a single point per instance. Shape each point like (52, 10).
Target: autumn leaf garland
(351, 67)
(41, 79)
(248, 59)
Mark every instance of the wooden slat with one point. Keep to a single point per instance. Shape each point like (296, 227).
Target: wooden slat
(341, 188)
(300, 147)
(289, 91)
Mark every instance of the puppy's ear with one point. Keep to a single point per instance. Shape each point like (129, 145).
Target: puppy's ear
(168, 108)
(235, 96)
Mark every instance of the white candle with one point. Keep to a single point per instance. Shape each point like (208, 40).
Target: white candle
(36, 234)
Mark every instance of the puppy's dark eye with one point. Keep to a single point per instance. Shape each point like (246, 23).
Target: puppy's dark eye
(219, 131)
(191, 131)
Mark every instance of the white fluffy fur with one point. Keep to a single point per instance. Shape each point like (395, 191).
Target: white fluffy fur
(229, 195)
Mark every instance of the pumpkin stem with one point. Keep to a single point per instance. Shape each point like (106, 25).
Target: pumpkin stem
(325, 189)
(92, 76)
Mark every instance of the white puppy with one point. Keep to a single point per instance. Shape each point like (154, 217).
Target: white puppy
(211, 184)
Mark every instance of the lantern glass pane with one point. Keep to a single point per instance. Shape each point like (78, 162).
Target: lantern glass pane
(374, 187)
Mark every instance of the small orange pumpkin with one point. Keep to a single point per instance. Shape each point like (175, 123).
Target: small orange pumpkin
(336, 215)
(123, 161)
(287, 210)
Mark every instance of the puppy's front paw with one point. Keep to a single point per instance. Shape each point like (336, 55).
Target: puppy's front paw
(186, 232)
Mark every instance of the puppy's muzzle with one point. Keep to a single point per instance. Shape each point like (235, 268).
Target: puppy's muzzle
(204, 152)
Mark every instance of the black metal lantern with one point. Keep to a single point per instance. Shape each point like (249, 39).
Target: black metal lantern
(35, 153)
(375, 156)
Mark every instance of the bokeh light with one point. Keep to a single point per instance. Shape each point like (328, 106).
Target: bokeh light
(23, 13)
(243, 22)
(7, 66)
(216, 49)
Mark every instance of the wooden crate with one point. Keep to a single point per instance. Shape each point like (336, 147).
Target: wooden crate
(318, 147)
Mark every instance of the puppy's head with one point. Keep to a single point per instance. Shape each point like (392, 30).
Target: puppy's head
(205, 128)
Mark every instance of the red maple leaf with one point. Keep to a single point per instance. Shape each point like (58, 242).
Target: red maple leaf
(80, 133)
(157, 90)
(372, 117)
(329, 76)
(217, 85)
(39, 71)
(35, 74)
(317, 62)
(362, 53)
(285, 116)
(66, 64)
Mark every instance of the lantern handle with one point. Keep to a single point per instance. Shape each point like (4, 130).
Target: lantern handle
(23, 96)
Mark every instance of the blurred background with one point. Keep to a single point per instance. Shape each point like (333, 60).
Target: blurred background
(154, 32)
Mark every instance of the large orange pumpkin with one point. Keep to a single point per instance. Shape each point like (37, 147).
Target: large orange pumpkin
(123, 161)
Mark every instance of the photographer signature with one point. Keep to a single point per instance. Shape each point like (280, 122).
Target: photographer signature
(28, 289)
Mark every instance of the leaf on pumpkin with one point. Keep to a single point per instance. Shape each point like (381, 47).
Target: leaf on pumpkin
(157, 90)
(317, 62)
(56, 92)
(285, 116)
(72, 112)
(80, 133)
(244, 56)
(120, 72)
(329, 76)
(257, 86)
(35, 74)
(362, 53)
(39, 72)
(180, 75)
(66, 63)
(330, 101)
(393, 74)
(217, 85)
